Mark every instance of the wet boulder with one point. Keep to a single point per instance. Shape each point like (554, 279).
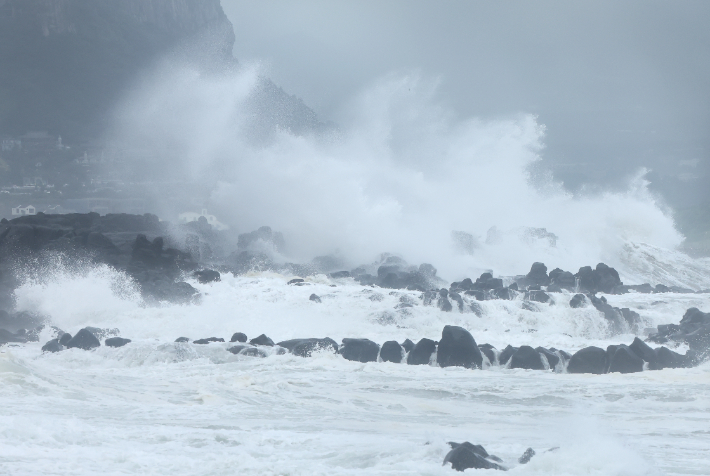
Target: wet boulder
(443, 302)
(562, 279)
(526, 358)
(458, 348)
(577, 301)
(537, 275)
(247, 350)
(456, 297)
(359, 350)
(182, 339)
(645, 352)
(422, 352)
(489, 351)
(262, 340)
(238, 337)
(66, 337)
(606, 279)
(507, 353)
(116, 341)
(306, 347)
(537, 296)
(207, 276)
(408, 345)
(623, 360)
(465, 456)
(208, 340)
(7, 337)
(391, 352)
(590, 360)
(83, 340)
(314, 298)
(667, 359)
(552, 358)
(52, 346)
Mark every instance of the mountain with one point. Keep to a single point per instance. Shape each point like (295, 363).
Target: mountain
(64, 63)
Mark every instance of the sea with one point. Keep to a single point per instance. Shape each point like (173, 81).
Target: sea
(402, 173)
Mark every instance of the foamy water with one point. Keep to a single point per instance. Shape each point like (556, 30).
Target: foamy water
(157, 407)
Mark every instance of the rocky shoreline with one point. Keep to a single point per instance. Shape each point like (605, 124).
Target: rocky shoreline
(159, 257)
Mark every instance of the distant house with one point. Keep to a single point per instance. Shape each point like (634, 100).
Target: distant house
(8, 143)
(187, 217)
(22, 211)
(40, 142)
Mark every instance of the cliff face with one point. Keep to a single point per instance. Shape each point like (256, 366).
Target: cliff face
(64, 62)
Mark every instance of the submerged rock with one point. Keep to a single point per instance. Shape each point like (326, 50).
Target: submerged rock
(117, 342)
(182, 339)
(52, 346)
(465, 456)
(208, 340)
(314, 298)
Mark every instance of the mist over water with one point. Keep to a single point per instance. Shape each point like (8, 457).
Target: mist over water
(400, 174)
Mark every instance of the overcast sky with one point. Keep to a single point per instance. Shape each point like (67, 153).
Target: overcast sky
(619, 84)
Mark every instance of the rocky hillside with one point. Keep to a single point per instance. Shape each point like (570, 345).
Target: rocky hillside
(63, 63)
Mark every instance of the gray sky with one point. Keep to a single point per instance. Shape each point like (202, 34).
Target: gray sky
(619, 84)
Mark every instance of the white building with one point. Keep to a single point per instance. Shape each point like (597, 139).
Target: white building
(187, 217)
(22, 211)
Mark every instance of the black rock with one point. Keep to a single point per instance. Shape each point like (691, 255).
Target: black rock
(408, 345)
(208, 340)
(421, 353)
(66, 337)
(489, 351)
(476, 309)
(340, 274)
(83, 340)
(606, 279)
(52, 346)
(458, 348)
(308, 346)
(623, 360)
(456, 297)
(359, 350)
(562, 279)
(207, 276)
(645, 352)
(538, 275)
(296, 281)
(247, 350)
(590, 360)
(507, 354)
(465, 455)
(667, 359)
(477, 294)
(391, 352)
(7, 337)
(527, 456)
(443, 302)
(262, 340)
(182, 339)
(238, 348)
(552, 358)
(314, 298)
(526, 358)
(116, 341)
(579, 300)
(238, 337)
(537, 296)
